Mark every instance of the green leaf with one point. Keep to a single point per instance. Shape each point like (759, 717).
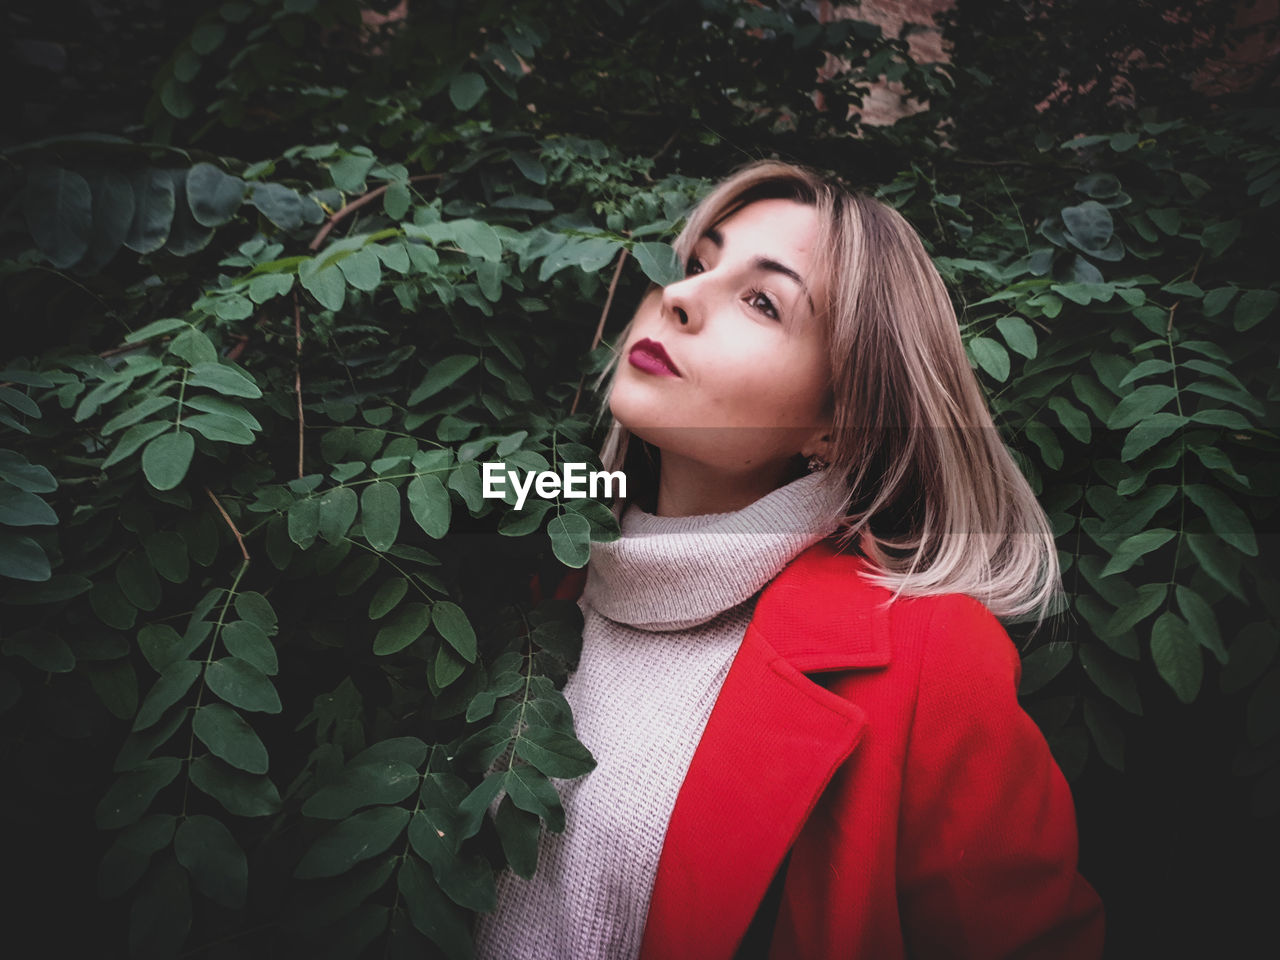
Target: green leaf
(171, 686)
(327, 285)
(167, 458)
(990, 356)
(1043, 664)
(570, 539)
(465, 479)
(249, 642)
(133, 791)
(408, 625)
(433, 832)
(31, 477)
(1047, 441)
(1217, 560)
(1140, 404)
(350, 171)
(431, 913)
(362, 784)
(194, 347)
(116, 684)
(387, 597)
(219, 428)
(395, 202)
(1201, 622)
(229, 737)
(517, 523)
(355, 839)
(266, 286)
(450, 620)
(1099, 186)
(154, 202)
(164, 646)
(1145, 602)
(21, 509)
(518, 831)
(1217, 238)
(469, 883)
(529, 166)
(1072, 417)
(380, 515)
(659, 262)
(448, 666)
(337, 511)
(553, 753)
(362, 269)
(223, 379)
(213, 196)
(1019, 335)
(213, 858)
(442, 374)
(139, 411)
(1148, 433)
(242, 685)
(241, 794)
(127, 859)
(530, 790)
(477, 239)
(1218, 299)
(1110, 675)
(466, 89)
(1089, 225)
(111, 607)
(1254, 307)
(1225, 518)
(1135, 548)
(304, 521)
(429, 505)
(256, 608)
(1170, 221)
(137, 581)
(1177, 656)
(21, 558)
(284, 207)
(1106, 733)
(43, 650)
(58, 207)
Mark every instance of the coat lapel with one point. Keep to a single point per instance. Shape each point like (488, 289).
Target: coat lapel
(771, 745)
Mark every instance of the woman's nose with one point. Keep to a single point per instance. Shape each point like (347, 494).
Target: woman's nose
(682, 303)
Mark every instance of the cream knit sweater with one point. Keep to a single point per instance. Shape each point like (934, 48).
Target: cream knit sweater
(665, 609)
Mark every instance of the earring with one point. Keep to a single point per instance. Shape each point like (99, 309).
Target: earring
(816, 463)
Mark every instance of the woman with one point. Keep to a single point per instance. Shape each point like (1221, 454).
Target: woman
(802, 708)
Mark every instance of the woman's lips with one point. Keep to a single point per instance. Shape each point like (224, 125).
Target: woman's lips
(648, 355)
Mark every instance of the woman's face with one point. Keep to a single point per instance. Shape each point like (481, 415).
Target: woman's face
(728, 367)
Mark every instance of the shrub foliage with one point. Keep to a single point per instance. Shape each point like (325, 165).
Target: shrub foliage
(259, 624)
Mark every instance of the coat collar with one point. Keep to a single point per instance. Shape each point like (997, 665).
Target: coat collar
(773, 741)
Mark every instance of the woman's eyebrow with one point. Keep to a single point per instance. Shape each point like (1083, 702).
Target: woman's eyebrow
(766, 263)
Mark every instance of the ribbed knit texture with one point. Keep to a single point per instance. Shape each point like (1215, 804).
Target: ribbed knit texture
(665, 609)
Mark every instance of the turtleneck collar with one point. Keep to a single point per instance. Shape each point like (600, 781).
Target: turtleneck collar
(671, 573)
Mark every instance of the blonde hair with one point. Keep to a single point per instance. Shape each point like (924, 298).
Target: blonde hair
(933, 498)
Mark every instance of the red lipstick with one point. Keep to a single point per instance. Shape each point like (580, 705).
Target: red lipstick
(648, 355)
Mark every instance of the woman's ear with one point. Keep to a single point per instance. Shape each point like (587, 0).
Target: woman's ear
(818, 444)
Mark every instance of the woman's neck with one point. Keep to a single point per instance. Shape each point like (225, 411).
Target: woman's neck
(687, 488)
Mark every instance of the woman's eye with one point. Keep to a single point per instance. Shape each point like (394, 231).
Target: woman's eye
(761, 302)
(693, 266)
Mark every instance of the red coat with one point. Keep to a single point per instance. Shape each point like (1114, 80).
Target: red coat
(885, 747)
